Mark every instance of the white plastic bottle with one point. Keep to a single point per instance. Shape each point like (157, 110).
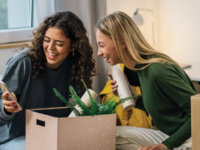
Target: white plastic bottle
(123, 88)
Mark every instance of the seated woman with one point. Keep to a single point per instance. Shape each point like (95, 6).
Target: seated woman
(166, 88)
(60, 55)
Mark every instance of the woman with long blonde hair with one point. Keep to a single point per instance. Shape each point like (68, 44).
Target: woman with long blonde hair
(166, 89)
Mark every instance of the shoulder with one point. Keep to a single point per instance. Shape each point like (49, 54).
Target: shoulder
(21, 57)
(157, 68)
(162, 70)
(20, 62)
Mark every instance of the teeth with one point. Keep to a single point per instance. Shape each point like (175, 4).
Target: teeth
(51, 54)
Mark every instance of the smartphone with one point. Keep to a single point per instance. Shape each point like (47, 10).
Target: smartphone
(4, 88)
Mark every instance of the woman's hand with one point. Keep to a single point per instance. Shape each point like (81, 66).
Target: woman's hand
(9, 106)
(154, 147)
(115, 87)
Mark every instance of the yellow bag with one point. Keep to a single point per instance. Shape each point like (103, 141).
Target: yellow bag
(134, 117)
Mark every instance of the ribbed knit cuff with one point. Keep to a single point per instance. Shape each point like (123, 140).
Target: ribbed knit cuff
(4, 114)
(168, 146)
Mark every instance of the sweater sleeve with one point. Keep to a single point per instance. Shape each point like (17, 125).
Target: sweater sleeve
(178, 87)
(13, 77)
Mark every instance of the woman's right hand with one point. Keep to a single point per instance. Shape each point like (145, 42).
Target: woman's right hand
(9, 106)
(115, 87)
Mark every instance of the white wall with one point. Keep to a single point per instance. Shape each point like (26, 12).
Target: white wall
(129, 7)
(5, 54)
(177, 25)
(179, 29)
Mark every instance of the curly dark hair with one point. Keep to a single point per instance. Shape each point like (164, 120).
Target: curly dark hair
(73, 28)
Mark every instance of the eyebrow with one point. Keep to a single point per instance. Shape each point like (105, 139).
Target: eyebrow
(55, 40)
(100, 42)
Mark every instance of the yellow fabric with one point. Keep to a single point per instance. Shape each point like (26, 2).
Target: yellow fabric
(134, 117)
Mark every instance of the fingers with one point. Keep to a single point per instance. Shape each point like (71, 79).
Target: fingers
(5, 96)
(9, 103)
(10, 106)
(114, 85)
(140, 148)
(146, 148)
(114, 90)
(11, 109)
(113, 82)
(153, 147)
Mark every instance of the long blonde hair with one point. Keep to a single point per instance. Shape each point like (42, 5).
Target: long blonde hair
(122, 30)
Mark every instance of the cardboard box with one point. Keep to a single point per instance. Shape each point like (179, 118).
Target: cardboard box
(50, 129)
(195, 114)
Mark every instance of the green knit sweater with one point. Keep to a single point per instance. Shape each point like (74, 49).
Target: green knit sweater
(166, 92)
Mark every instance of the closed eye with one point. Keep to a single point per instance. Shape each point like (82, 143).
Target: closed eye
(59, 45)
(46, 40)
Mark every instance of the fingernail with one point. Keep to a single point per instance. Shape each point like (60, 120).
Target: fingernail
(6, 93)
(16, 106)
(13, 102)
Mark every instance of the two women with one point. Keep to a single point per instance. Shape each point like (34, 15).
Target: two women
(166, 89)
(60, 55)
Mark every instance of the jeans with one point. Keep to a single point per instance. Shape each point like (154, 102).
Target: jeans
(18, 143)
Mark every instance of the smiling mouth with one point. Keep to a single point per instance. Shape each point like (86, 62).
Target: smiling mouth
(51, 55)
(106, 59)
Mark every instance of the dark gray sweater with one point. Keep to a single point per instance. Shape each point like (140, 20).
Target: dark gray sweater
(31, 92)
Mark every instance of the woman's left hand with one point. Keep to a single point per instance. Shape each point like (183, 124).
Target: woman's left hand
(154, 147)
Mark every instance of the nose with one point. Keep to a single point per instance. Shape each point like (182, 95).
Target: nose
(51, 46)
(100, 53)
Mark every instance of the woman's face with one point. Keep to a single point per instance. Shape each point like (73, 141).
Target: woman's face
(56, 47)
(106, 48)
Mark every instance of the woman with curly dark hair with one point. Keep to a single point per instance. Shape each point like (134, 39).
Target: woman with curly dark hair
(60, 55)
